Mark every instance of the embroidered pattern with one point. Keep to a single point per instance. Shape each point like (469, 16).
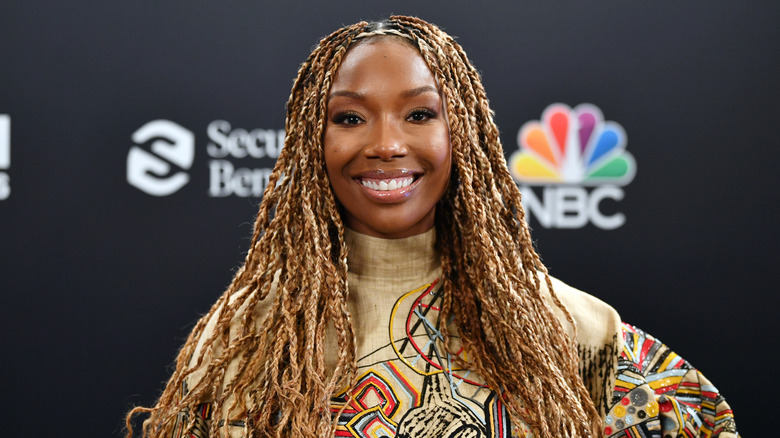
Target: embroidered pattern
(658, 393)
(409, 389)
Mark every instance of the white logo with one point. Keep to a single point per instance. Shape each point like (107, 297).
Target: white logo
(5, 155)
(228, 142)
(567, 149)
(230, 149)
(147, 171)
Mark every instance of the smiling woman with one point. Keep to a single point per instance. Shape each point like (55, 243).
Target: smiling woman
(387, 141)
(392, 287)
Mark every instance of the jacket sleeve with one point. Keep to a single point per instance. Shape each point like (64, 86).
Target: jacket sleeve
(197, 422)
(200, 427)
(658, 393)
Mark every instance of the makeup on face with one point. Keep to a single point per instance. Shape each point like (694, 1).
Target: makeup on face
(387, 146)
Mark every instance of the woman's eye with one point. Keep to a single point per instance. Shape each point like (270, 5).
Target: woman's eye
(347, 119)
(421, 115)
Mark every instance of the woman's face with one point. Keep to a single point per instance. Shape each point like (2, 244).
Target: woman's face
(387, 144)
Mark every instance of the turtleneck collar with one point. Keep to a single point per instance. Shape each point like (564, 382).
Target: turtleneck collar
(392, 258)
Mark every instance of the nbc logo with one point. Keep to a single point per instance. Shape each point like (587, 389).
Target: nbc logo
(565, 152)
(5, 155)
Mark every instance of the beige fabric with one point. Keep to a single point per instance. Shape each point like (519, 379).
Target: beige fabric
(386, 276)
(599, 340)
(380, 271)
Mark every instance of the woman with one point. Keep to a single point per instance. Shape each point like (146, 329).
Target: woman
(392, 288)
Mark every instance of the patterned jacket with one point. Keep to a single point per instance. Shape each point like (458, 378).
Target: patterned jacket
(406, 387)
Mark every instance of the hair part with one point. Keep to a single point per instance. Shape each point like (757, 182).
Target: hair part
(490, 276)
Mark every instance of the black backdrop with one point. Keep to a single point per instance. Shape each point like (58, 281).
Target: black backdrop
(101, 281)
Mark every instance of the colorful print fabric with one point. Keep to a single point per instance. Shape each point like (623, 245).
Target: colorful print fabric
(659, 394)
(408, 389)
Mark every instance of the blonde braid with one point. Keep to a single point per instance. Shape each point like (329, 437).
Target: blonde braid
(298, 240)
(512, 336)
(490, 282)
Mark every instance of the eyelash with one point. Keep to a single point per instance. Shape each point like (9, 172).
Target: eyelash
(342, 118)
(427, 112)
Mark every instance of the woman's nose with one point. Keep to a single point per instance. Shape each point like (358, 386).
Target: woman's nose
(387, 141)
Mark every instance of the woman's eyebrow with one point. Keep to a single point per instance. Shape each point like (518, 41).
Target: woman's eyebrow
(345, 93)
(419, 90)
(408, 93)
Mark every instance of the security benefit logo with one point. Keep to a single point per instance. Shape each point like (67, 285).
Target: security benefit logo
(568, 164)
(5, 156)
(161, 161)
(172, 147)
(228, 146)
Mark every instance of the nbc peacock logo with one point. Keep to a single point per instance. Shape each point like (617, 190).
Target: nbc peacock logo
(568, 163)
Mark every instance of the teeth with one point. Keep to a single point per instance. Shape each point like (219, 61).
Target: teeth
(387, 184)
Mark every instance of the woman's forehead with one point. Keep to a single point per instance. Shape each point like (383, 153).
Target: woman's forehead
(366, 44)
(383, 59)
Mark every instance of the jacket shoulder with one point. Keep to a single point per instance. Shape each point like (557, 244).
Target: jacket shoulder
(599, 340)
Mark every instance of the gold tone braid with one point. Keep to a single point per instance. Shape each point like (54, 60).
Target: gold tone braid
(281, 387)
(490, 282)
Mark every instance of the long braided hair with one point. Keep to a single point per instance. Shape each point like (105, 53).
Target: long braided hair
(491, 279)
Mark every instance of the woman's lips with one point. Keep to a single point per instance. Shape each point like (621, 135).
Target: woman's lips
(388, 186)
